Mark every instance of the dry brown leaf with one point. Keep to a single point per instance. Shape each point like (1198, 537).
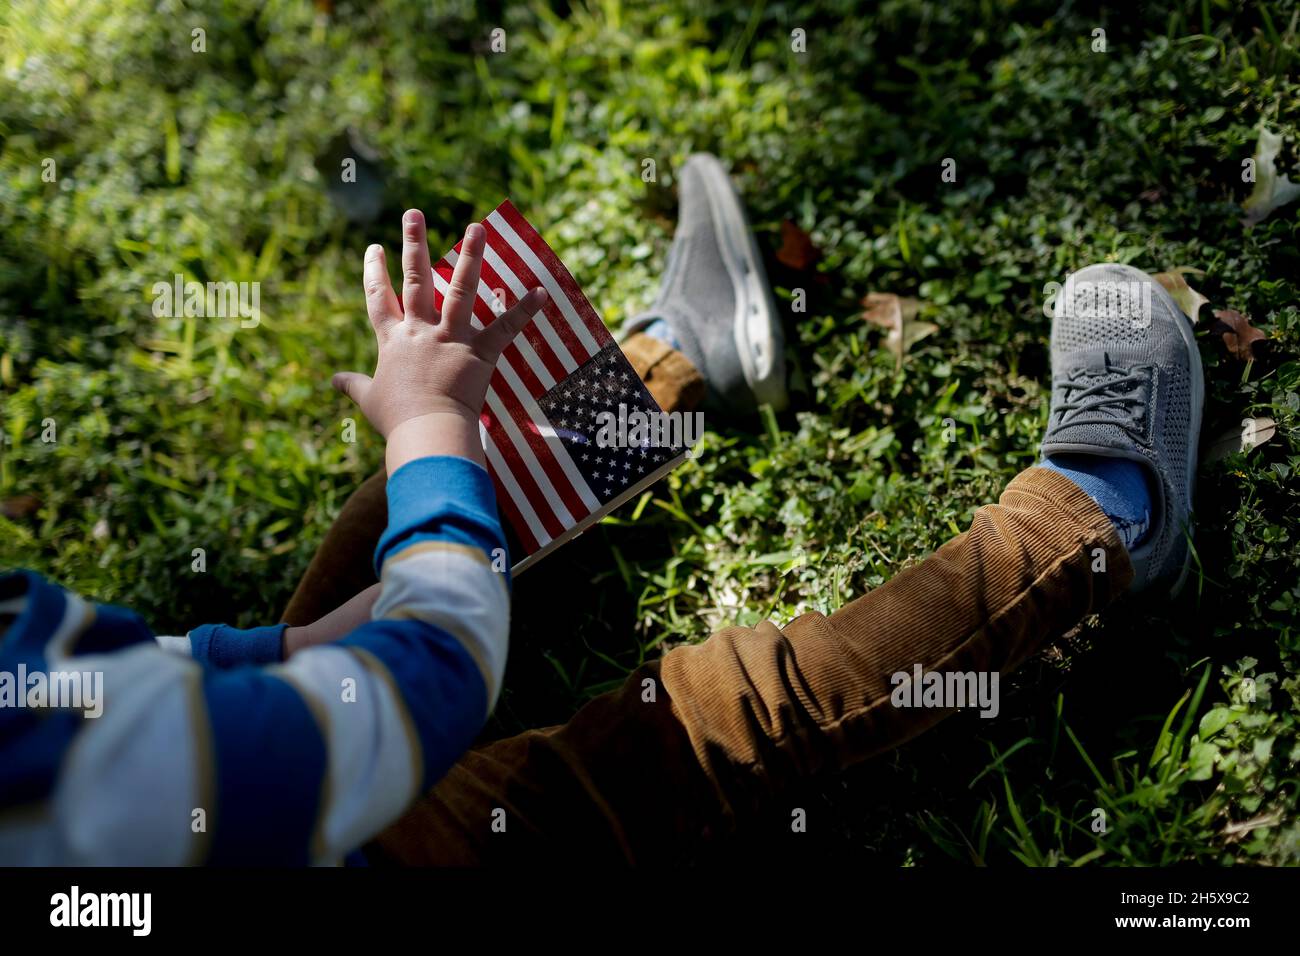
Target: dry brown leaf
(898, 315)
(20, 506)
(1188, 299)
(797, 250)
(1252, 433)
(1244, 341)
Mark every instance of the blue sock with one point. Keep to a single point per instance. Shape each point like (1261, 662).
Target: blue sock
(659, 329)
(1119, 487)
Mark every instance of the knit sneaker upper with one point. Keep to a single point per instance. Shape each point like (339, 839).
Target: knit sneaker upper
(1127, 383)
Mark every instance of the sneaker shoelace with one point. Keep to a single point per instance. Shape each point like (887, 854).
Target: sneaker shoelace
(1115, 401)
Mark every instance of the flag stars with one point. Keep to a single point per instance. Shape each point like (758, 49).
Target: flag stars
(575, 409)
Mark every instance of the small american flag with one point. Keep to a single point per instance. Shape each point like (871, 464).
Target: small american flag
(540, 420)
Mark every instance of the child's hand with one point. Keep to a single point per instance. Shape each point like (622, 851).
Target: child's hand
(433, 370)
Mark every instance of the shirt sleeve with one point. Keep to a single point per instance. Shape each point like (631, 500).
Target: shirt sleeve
(220, 645)
(402, 697)
(304, 760)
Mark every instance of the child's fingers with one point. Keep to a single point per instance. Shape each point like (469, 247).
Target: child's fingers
(417, 272)
(352, 384)
(463, 289)
(493, 339)
(381, 301)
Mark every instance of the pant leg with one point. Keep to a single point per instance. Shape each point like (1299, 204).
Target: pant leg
(669, 376)
(693, 743)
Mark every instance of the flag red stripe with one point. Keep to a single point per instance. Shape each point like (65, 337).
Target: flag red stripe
(483, 312)
(514, 460)
(545, 457)
(522, 474)
(519, 414)
(525, 231)
(514, 406)
(541, 348)
(530, 475)
(517, 362)
(552, 309)
(517, 522)
(532, 333)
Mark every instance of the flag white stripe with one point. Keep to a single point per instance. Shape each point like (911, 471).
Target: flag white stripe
(521, 342)
(568, 360)
(529, 459)
(547, 280)
(504, 475)
(522, 345)
(538, 418)
(494, 456)
(560, 453)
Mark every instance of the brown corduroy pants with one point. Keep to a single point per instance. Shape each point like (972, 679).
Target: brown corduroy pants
(697, 741)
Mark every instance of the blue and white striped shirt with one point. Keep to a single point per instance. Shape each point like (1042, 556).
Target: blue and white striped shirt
(226, 754)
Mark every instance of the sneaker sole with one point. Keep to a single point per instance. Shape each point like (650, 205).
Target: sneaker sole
(756, 327)
(1194, 439)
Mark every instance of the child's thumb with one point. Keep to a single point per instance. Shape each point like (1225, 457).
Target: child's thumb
(352, 384)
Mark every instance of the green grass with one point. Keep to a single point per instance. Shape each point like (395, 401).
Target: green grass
(175, 434)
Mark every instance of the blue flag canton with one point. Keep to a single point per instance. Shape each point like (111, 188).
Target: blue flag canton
(587, 402)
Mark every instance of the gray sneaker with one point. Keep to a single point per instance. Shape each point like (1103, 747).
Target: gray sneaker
(1127, 383)
(715, 296)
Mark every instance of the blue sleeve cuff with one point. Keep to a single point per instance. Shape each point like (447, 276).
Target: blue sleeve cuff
(224, 646)
(446, 497)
